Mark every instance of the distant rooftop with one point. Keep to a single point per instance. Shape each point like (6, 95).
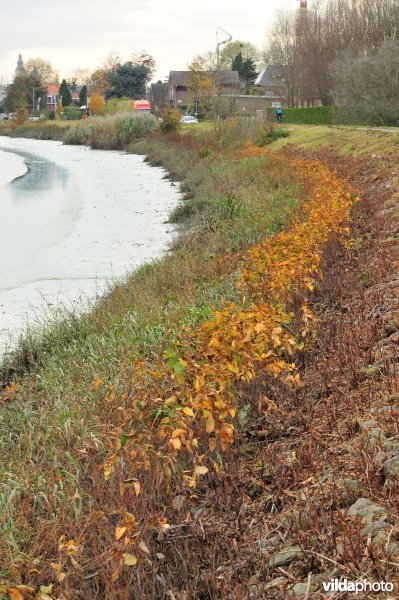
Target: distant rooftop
(271, 76)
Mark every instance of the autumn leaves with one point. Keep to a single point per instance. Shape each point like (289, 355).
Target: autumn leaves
(183, 412)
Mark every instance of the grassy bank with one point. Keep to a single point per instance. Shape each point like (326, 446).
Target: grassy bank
(123, 440)
(56, 416)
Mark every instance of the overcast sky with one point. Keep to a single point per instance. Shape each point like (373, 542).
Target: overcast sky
(76, 34)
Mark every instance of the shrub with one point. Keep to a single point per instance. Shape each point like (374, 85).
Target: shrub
(97, 104)
(50, 114)
(73, 113)
(111, 133)
(170, 120)
(267, 137)
(117, 105)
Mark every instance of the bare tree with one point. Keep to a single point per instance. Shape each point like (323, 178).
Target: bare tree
(307, 42)
(368, 81)
(43, 70)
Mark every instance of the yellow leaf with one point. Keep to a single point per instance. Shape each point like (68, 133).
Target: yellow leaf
(129, 518)
(130, 560)
(137, 487)
(209, 424)
(107, 471)
(177, 432)
(187, 411)
(57, 569)
(200, 470)
(119, 532)
(176, 443)
(71, 547)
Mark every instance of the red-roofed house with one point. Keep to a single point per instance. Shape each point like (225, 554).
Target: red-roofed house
(52, 97)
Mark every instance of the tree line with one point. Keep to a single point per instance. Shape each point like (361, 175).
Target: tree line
(339, 52)
(114, 78)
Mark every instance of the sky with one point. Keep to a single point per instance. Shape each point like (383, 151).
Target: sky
(78, 34)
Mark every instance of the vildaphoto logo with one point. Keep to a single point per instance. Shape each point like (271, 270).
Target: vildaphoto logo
(344, 585)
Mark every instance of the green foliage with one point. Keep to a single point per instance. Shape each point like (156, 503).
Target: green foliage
(50, 114)
(170, 120)
(128, 80)
(246, 68)
(20, 92)
(115, 105)
(334, 115)
(270, 136)
(65, 93)
(83, 96)
(73, 113)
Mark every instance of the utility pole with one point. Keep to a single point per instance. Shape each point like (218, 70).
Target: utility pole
(229, 38)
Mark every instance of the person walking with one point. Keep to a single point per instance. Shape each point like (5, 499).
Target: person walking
(279, 113)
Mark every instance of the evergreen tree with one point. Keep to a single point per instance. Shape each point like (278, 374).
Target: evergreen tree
(128, 80)
(237, 63)
(246, 68)
(65, 93)
(83, 96)
(248, 71)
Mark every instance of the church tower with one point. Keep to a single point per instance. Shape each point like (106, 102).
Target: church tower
(20, 70)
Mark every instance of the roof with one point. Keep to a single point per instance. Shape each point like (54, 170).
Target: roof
(53, 89)
(183, 78)
(271, 76)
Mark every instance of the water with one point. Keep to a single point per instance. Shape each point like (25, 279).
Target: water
(71, 220)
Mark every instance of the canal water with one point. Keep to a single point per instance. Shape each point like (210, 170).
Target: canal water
(71, 221)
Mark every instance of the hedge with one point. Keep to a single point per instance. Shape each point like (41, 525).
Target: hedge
(334, 115)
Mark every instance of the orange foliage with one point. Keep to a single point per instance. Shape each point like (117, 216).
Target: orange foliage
(184, 404)
(97, 104)
(251, 150)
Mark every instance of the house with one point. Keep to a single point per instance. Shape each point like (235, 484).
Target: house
(270, 84)
(182, 84)
(52, 96)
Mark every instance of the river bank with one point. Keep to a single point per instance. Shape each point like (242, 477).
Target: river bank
(127, 524)
(63, 370)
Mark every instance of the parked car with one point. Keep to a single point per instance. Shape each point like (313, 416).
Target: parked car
(188, 120)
